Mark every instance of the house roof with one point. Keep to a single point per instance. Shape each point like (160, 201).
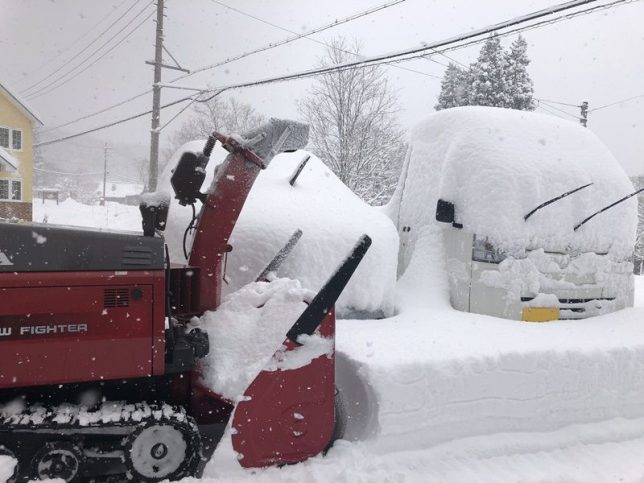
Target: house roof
(19, 103)
(8, 158)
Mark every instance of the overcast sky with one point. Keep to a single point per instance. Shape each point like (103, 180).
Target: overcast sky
(598, 57)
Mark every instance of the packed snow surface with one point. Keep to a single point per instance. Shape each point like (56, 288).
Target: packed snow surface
(330, 215)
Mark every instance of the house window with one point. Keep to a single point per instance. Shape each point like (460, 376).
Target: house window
(16, 190)
(4, 137)
(16, 139)
(10, 190)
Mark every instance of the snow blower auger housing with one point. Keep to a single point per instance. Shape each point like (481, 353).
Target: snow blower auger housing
(99, 371)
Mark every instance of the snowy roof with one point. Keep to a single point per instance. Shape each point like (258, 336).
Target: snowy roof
(19, 103)
(496, 165)
(8, 158)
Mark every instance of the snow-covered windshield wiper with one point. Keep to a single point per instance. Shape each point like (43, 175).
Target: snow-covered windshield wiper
(557, 198)
(608, 207)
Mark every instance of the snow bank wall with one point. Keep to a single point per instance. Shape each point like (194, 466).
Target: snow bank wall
(331, 217)
(421, 405)
(438, 375)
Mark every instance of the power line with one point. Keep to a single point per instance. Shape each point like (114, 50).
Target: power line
(311, 39)
(401, 56)
(48, 88)
(574, 116)
(557, 102)
(105, 126)
(404, 55)
(48, 171)
(241, 56)
(75, 42)
(544, 108)
(616, 103)
(24, 92)
(288, 40)
(109, 108)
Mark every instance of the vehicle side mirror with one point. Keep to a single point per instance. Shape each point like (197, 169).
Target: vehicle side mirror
(445, 211)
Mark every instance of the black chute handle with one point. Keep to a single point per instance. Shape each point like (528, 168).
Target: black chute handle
(282, 255)
(323, 302)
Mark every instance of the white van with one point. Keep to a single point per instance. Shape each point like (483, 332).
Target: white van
(513, 194)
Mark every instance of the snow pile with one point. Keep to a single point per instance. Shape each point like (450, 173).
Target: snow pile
(600, 276)
(16, 413)
(248, 328)
(496, 165)
(113, 216)
(7, 466)
(330, 215)
(440, 375)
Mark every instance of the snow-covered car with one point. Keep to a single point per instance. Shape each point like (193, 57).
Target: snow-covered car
(512, 194)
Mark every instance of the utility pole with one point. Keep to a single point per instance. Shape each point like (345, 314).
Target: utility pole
(105, 149)
(156, 101)
(583, 120)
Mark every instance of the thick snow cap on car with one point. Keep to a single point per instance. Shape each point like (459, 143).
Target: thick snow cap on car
(496, 165)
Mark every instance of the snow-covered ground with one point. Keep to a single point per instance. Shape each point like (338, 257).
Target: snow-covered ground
(464, 397)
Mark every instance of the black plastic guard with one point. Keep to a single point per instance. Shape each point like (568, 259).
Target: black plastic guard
(330, 292)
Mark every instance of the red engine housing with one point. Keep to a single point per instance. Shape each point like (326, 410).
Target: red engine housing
(67, 327)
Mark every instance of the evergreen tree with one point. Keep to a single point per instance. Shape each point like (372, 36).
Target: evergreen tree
(454, 88)
(518, 83)
(487, 76)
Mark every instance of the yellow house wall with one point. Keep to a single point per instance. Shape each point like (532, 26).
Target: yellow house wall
(12, 117)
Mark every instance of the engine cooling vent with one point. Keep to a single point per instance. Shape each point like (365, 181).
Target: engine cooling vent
(137, 256)
(116, 297)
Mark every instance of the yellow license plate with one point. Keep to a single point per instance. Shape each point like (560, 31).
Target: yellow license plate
(540, 314)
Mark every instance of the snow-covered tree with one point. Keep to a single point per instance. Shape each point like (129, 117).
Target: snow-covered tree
(218, 114)
(487, 76)
(354, 131)
(454, 88)
(517, 80)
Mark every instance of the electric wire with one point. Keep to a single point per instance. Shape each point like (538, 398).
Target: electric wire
(235, 58)
(553, 113)
(196, 99)
(52, 87)
(287, 40)
(574, 116)
(616, 103)
(111, 124)
(557, 102)
(24, 92)
(82, 118)
(401, 56)
(356, 54)
(54, 58)
(446, 44)
(49, 171)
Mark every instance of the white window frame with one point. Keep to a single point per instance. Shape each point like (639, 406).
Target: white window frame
(22, 139)
(8, 137)
(10, 182)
